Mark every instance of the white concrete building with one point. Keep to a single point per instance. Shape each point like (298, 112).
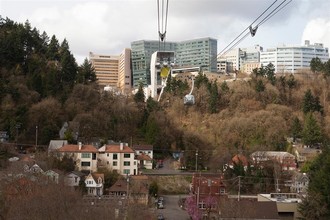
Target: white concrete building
(291, 59)
(84, 156)
(119, 158)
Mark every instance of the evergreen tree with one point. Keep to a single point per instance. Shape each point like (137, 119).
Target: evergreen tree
(53, 49)
(213, 100)
(139, 97)
(260, 87)
(316, 65)
(311, 132)
(270, 73)
(311, 103)
(296, 128)
(86, 73)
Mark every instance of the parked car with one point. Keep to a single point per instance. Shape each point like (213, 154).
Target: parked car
(160, 216)
(160, 205)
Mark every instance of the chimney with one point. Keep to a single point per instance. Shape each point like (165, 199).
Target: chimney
(121, 146)
(79, 145)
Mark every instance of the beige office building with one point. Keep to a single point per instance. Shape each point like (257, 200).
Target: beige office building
(113, 70)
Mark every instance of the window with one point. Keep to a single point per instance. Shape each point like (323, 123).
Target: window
(85, 164)
(85, 155)
(127, 155)
(114, 163)
(127, 163)
(115, 156)
(126, 171)
(107, 154)
(75, 179)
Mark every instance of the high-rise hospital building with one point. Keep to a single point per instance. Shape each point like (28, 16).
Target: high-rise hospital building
(190, 53)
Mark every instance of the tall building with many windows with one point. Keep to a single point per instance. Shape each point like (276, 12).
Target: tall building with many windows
(113, 70)
(141, 57)
(290, 59)
(242, 59)
(198, 52)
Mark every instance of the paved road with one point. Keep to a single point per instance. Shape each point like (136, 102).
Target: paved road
(172, 211)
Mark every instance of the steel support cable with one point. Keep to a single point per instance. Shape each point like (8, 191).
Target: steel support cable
(270, 15)
(275, 13)
(249, 26)
(162, 20)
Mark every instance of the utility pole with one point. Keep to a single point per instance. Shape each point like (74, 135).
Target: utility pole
(36, 137)
(196, 165)
(239, 188)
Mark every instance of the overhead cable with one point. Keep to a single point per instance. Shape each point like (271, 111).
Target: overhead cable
(266, 18)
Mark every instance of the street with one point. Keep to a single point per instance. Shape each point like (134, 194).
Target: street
(172, 211)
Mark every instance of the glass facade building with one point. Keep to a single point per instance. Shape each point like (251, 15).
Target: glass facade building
(198, 52)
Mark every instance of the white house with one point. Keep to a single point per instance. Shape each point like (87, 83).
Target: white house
(84, 156)
(73, 178)
(144, 155)
(95, 183)
(300, 183)
(119, 158)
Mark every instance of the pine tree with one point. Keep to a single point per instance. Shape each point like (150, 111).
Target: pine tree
(312, 131)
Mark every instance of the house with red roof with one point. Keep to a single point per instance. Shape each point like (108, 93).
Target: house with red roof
(84, 156)
(120, 158)
(144, 155)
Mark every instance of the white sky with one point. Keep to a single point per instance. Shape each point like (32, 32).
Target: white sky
(108, 26)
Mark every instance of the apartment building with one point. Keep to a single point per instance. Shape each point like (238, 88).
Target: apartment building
(120, 158)
(190, 53)
(84, 156)
(292, 59)
(113, 70)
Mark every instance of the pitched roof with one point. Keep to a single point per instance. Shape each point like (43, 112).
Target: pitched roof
(143, 147)
(56, 144)
(96, 176)
(116, 149)
(75, 148)
(143, 157)
(119, 186)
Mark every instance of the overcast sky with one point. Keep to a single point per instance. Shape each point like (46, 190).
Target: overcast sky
(109, 26)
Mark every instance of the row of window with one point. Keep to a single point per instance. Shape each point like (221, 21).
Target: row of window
(114, 163)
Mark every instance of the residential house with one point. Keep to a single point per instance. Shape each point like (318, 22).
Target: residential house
(84, 156)
(299, 183)
(35, 168)
(144, 156)
(304, 153)
(120, 187)
(54, 145)
(94, 184)
(118, 158)
(73, 178)
(54, 175)
(286, 160)
(206, 187)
